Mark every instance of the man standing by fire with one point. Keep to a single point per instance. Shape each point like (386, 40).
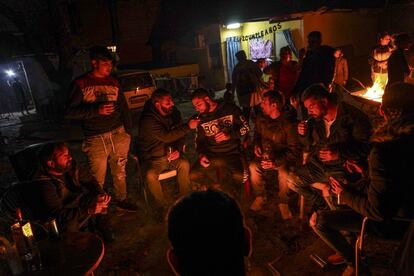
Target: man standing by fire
(218, 143)
(95, 100)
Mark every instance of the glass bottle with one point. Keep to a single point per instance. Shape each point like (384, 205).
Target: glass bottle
(22, 235)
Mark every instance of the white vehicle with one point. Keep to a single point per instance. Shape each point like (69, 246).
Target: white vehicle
(137, 87)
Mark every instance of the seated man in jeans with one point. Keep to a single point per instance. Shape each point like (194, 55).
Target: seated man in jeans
(276, 148)
(218, 142)
(335, 133)
(65, 192)
(160, 143)
(388, 192)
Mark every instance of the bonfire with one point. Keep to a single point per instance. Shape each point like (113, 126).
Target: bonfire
(375, 92)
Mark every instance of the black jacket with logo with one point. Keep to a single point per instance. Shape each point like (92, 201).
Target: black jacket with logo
(227, 118)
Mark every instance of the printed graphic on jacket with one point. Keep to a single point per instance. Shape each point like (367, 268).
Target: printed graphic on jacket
(224, 124)
(100, 93)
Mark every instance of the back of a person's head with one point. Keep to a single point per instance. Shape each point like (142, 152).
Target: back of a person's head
(100, 53)
(201, 93)
(315, 91)
(241, 55)
(315, 35)
(402, 40)
(206, 232)
(229, 86)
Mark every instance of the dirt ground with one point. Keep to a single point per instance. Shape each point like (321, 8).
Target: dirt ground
(141, 241)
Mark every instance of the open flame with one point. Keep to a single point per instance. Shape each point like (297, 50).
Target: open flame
(375, 92)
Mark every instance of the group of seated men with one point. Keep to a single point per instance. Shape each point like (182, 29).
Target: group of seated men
(337, 141)
(325, 154)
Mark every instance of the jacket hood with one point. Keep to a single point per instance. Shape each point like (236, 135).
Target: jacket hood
(403, 126)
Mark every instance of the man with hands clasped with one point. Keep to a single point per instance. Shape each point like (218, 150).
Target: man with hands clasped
(276, 148)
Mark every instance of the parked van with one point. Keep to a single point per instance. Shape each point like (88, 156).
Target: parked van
(137, 87)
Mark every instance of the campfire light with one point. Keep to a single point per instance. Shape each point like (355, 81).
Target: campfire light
(375, 92)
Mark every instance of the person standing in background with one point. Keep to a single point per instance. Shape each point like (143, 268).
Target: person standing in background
(379, 59)
(341, 69)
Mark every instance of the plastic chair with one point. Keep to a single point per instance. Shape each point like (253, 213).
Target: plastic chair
(167, 174)
(361, 238)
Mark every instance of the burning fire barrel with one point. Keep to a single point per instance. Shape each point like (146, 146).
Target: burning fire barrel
(368, 100)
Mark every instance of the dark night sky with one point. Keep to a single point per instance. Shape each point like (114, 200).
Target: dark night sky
(178, 17)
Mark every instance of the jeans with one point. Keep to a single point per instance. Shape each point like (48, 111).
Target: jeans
(115, 146)
(224, 170)
(330, 223)
(304, 176)
(258, 176)
(153, 168)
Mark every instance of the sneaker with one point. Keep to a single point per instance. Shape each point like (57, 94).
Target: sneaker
(257, 204)
(335, 259)
(349, 271)
(285, 211)
(127, 206)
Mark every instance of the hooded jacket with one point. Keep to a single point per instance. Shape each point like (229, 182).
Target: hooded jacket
(157, 132)
(391, 172)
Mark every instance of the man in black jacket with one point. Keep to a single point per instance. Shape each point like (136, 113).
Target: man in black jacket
(335, 133)
(95, 99)
(218, 142)
(388, 190)
(160, 142)
(63, 191)
(276, 148)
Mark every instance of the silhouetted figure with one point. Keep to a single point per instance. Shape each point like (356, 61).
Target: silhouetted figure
(207, 235)
(398, 69)
(246, 78)
(20, 96)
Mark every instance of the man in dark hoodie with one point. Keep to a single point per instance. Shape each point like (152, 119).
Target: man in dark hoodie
(160, 142)
(95, 99)
(388, 193)
(218, 142)
(63, 191)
